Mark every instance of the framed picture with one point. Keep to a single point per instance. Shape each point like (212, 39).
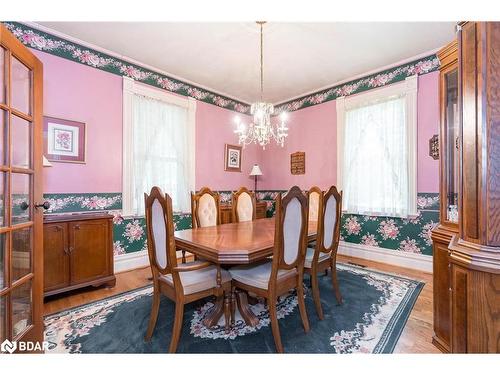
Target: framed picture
(232, 158)
(64, 140)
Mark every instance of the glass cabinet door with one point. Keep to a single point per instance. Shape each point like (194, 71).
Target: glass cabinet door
(451, 145)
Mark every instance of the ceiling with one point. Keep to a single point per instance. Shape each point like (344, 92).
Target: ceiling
(298, 57)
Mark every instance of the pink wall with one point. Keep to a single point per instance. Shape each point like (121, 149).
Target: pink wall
(215, 127)
(74, 91)
(77, 92)
(428, 125)
(311, 130)
(314, 131)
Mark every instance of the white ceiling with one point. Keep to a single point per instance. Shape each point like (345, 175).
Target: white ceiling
(298, 57)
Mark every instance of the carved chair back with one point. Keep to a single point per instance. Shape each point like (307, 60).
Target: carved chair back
(244, 205)
(205, 208)
(290, 238)
(313, 196)
(160, 232)
(330, 211)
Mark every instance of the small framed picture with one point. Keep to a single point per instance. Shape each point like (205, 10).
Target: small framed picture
(64, 140)
(232, 158)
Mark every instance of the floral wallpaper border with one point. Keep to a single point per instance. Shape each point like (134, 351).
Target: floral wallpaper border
(421, 66)
(66, 49)
(60, 47)
(129, 234)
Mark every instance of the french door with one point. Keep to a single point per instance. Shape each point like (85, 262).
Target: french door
(21, 251)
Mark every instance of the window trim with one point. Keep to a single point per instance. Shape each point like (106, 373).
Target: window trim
(131, 88)
(407, 88)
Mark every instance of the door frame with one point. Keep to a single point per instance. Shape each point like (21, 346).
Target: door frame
(24, 55)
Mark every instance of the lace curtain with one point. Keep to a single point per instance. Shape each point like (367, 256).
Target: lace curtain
(163, 152)
(375, 163)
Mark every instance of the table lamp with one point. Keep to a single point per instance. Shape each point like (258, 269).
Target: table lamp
(255, 172)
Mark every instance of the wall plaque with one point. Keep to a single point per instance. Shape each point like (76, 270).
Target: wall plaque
(298, 163)
(434, 147)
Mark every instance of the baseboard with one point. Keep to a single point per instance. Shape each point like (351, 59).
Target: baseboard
(378, 254)
(132, 261)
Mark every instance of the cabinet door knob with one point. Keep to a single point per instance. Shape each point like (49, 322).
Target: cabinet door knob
(71, 249)
(45, 205)
(77, 226)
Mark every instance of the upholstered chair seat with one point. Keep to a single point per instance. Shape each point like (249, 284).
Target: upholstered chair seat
(258, 276)
(199, 280)
(310, 255)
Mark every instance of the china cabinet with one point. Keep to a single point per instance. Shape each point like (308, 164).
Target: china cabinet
(467, 318)
(449, 173)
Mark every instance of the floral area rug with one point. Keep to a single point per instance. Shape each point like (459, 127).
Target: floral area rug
(375, 310)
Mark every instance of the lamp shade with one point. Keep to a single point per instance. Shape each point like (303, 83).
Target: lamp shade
(255, 171)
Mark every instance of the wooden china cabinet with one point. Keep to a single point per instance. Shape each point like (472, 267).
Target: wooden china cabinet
(448, 194)
(469, 322)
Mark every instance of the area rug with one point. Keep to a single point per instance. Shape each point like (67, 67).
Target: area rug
(374, 312)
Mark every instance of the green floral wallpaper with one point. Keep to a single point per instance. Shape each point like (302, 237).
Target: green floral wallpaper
(129, 234)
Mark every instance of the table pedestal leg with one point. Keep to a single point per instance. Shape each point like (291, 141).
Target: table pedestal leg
(227, 311)
(215, 313)
(245, 312)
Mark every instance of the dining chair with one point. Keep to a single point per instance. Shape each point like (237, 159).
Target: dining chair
(313, 195)
(182, 283)
(244, 205)
(273, 278)
(324, 254)
(205, 208)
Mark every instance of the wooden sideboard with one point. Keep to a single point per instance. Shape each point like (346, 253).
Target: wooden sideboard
(78, 251)
(226, 212)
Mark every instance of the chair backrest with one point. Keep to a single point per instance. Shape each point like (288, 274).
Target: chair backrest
(328, 235)
(290, 238)
(160, 231)
(313, 195)
(205, 208)
(244, 205)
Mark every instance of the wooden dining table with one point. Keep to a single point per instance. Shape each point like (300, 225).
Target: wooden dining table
(233, 244)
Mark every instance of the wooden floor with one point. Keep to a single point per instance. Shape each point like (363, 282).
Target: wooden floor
(416, 337)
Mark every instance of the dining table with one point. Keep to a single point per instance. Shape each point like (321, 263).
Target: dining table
(229, 245)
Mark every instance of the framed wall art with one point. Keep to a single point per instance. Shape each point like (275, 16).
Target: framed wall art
(232, 158)
(64, 140)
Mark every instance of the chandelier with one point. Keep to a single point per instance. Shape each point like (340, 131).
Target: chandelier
(262, 131)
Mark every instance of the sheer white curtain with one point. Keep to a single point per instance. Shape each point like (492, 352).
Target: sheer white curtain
(158, 147)
(376, 159)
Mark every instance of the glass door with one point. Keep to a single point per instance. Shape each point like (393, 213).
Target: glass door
(21, 253)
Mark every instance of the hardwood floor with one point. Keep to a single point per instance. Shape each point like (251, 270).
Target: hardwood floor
(416, 337)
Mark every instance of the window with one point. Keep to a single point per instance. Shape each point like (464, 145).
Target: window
(158, 146)
(377, 150)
